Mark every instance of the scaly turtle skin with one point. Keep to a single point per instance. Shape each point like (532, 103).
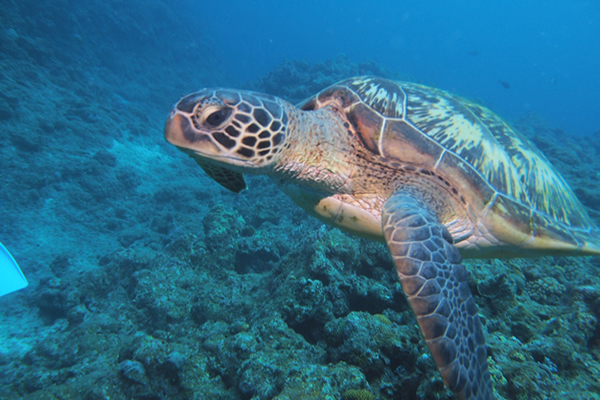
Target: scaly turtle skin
(433, 175)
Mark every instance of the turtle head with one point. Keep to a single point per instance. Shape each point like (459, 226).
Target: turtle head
(238, 130)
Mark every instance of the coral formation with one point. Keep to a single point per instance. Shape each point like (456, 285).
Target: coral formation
(358, 394)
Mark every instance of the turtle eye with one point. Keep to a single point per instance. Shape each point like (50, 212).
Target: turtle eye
(214, 117)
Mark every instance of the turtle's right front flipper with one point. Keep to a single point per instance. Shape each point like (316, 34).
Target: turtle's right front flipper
(435, 282)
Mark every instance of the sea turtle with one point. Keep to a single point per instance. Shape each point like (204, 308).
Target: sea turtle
(435, 176)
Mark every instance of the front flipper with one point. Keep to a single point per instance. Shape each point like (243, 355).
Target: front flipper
(227, 178)
(436, 284)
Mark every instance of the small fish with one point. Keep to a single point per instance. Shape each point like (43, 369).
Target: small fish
(504, 84)
(473, 53)
(552, 81)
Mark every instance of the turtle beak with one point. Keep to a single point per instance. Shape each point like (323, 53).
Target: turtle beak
(177, 129)
(180, 132)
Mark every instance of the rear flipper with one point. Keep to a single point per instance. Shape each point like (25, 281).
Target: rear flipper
(436, 284)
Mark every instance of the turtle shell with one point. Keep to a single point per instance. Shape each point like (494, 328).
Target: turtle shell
(504, 180)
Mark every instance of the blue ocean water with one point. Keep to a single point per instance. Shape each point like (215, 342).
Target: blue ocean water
(148, 280)
(546, 51)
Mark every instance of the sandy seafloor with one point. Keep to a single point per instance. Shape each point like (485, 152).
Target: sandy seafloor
(150, 281)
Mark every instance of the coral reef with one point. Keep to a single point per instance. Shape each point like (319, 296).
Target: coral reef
(358, 394)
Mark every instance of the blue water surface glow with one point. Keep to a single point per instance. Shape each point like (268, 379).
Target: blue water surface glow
(548, 51)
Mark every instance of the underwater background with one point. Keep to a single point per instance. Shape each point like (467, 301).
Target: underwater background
(150, 281)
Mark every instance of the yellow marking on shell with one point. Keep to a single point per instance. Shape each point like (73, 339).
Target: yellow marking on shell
(502, 156)
(381, 137)
(547, 190)
(465, 138)
(372, 93)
